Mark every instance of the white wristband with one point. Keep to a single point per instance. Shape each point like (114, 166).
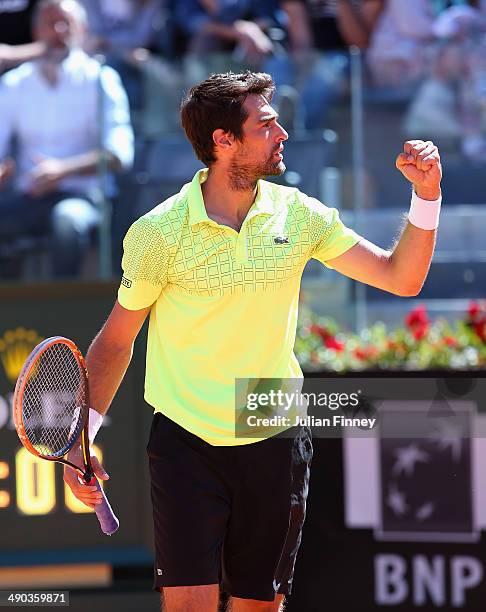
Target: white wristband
(424, 213)
(95, 420)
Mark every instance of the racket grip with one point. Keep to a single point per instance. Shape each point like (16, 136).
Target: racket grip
(108, 521)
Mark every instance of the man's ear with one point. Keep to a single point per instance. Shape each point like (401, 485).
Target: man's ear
(222, 139)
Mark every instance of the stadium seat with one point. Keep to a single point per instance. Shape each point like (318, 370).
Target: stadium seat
(163, 166)
(169, 163)
(24, 257)
(306, 155)
(458, 268)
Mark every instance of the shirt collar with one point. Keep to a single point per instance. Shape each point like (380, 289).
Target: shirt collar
(263, 204)
(70, 64)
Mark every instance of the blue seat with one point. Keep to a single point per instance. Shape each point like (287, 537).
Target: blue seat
(306, 155)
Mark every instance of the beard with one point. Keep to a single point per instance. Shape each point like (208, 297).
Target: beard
(244, 173)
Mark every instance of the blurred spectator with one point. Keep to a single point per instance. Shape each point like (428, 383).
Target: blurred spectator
(120, 26)
(436, 52)
(221, 35)
(400, 38)
(16, 44)
(320, 32)
(241, 26)
(51, 107)
(124, 32)
(331, 24)
(399, 52)
(472, 96)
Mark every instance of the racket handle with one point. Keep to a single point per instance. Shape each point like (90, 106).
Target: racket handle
(108, 521)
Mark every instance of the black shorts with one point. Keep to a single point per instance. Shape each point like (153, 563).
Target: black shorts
(231, 515)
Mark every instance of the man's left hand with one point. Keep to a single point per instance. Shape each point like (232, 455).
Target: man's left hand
(45, 176)
(420, 164)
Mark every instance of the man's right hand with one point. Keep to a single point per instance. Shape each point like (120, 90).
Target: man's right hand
(87, 494)
(7, 168)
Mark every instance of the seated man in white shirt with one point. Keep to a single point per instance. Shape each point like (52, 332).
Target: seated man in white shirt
(71, 122)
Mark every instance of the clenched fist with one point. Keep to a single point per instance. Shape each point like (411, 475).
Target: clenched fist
(420, 164)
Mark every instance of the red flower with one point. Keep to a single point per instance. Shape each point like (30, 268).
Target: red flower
(368, 352)
(474, 309)
(332, 343)
(480, 329)
(420, 332)
(418, 322)
(417, 318)
(450, 341)
(320, 331)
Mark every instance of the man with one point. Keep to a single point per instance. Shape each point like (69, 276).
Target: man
(226, 26)
(218, 268)
(51, 106)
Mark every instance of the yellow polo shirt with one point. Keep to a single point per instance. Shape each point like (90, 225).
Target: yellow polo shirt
(224, 303)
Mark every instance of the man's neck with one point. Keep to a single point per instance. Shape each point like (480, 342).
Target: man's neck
(225, 202)
(50, 64)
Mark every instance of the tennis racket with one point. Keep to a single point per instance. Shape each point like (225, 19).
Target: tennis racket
(51, 411)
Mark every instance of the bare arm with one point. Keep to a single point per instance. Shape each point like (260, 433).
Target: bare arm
(298, 26)
(222, 30)
(403, 269)
(89, 163)
(110, 354)
(12, 55)
(49, 171)
(243, 32)
(356, 25)
(107, 361)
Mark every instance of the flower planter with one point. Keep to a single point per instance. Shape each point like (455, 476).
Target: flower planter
(420, 345)
(377, 373)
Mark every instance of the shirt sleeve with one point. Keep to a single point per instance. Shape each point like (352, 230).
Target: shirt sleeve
(330, 236)
(144, 264)
(117, 128)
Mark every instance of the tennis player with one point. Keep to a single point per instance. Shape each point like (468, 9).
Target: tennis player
(218, 267)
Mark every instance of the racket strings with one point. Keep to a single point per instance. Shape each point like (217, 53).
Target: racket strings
(53, 395)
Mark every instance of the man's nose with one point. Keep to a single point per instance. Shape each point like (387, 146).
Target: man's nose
(283, 135)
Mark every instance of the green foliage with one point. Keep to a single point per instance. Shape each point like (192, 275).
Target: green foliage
(420, 344)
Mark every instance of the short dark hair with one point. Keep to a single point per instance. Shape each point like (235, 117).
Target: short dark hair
(217, 103)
